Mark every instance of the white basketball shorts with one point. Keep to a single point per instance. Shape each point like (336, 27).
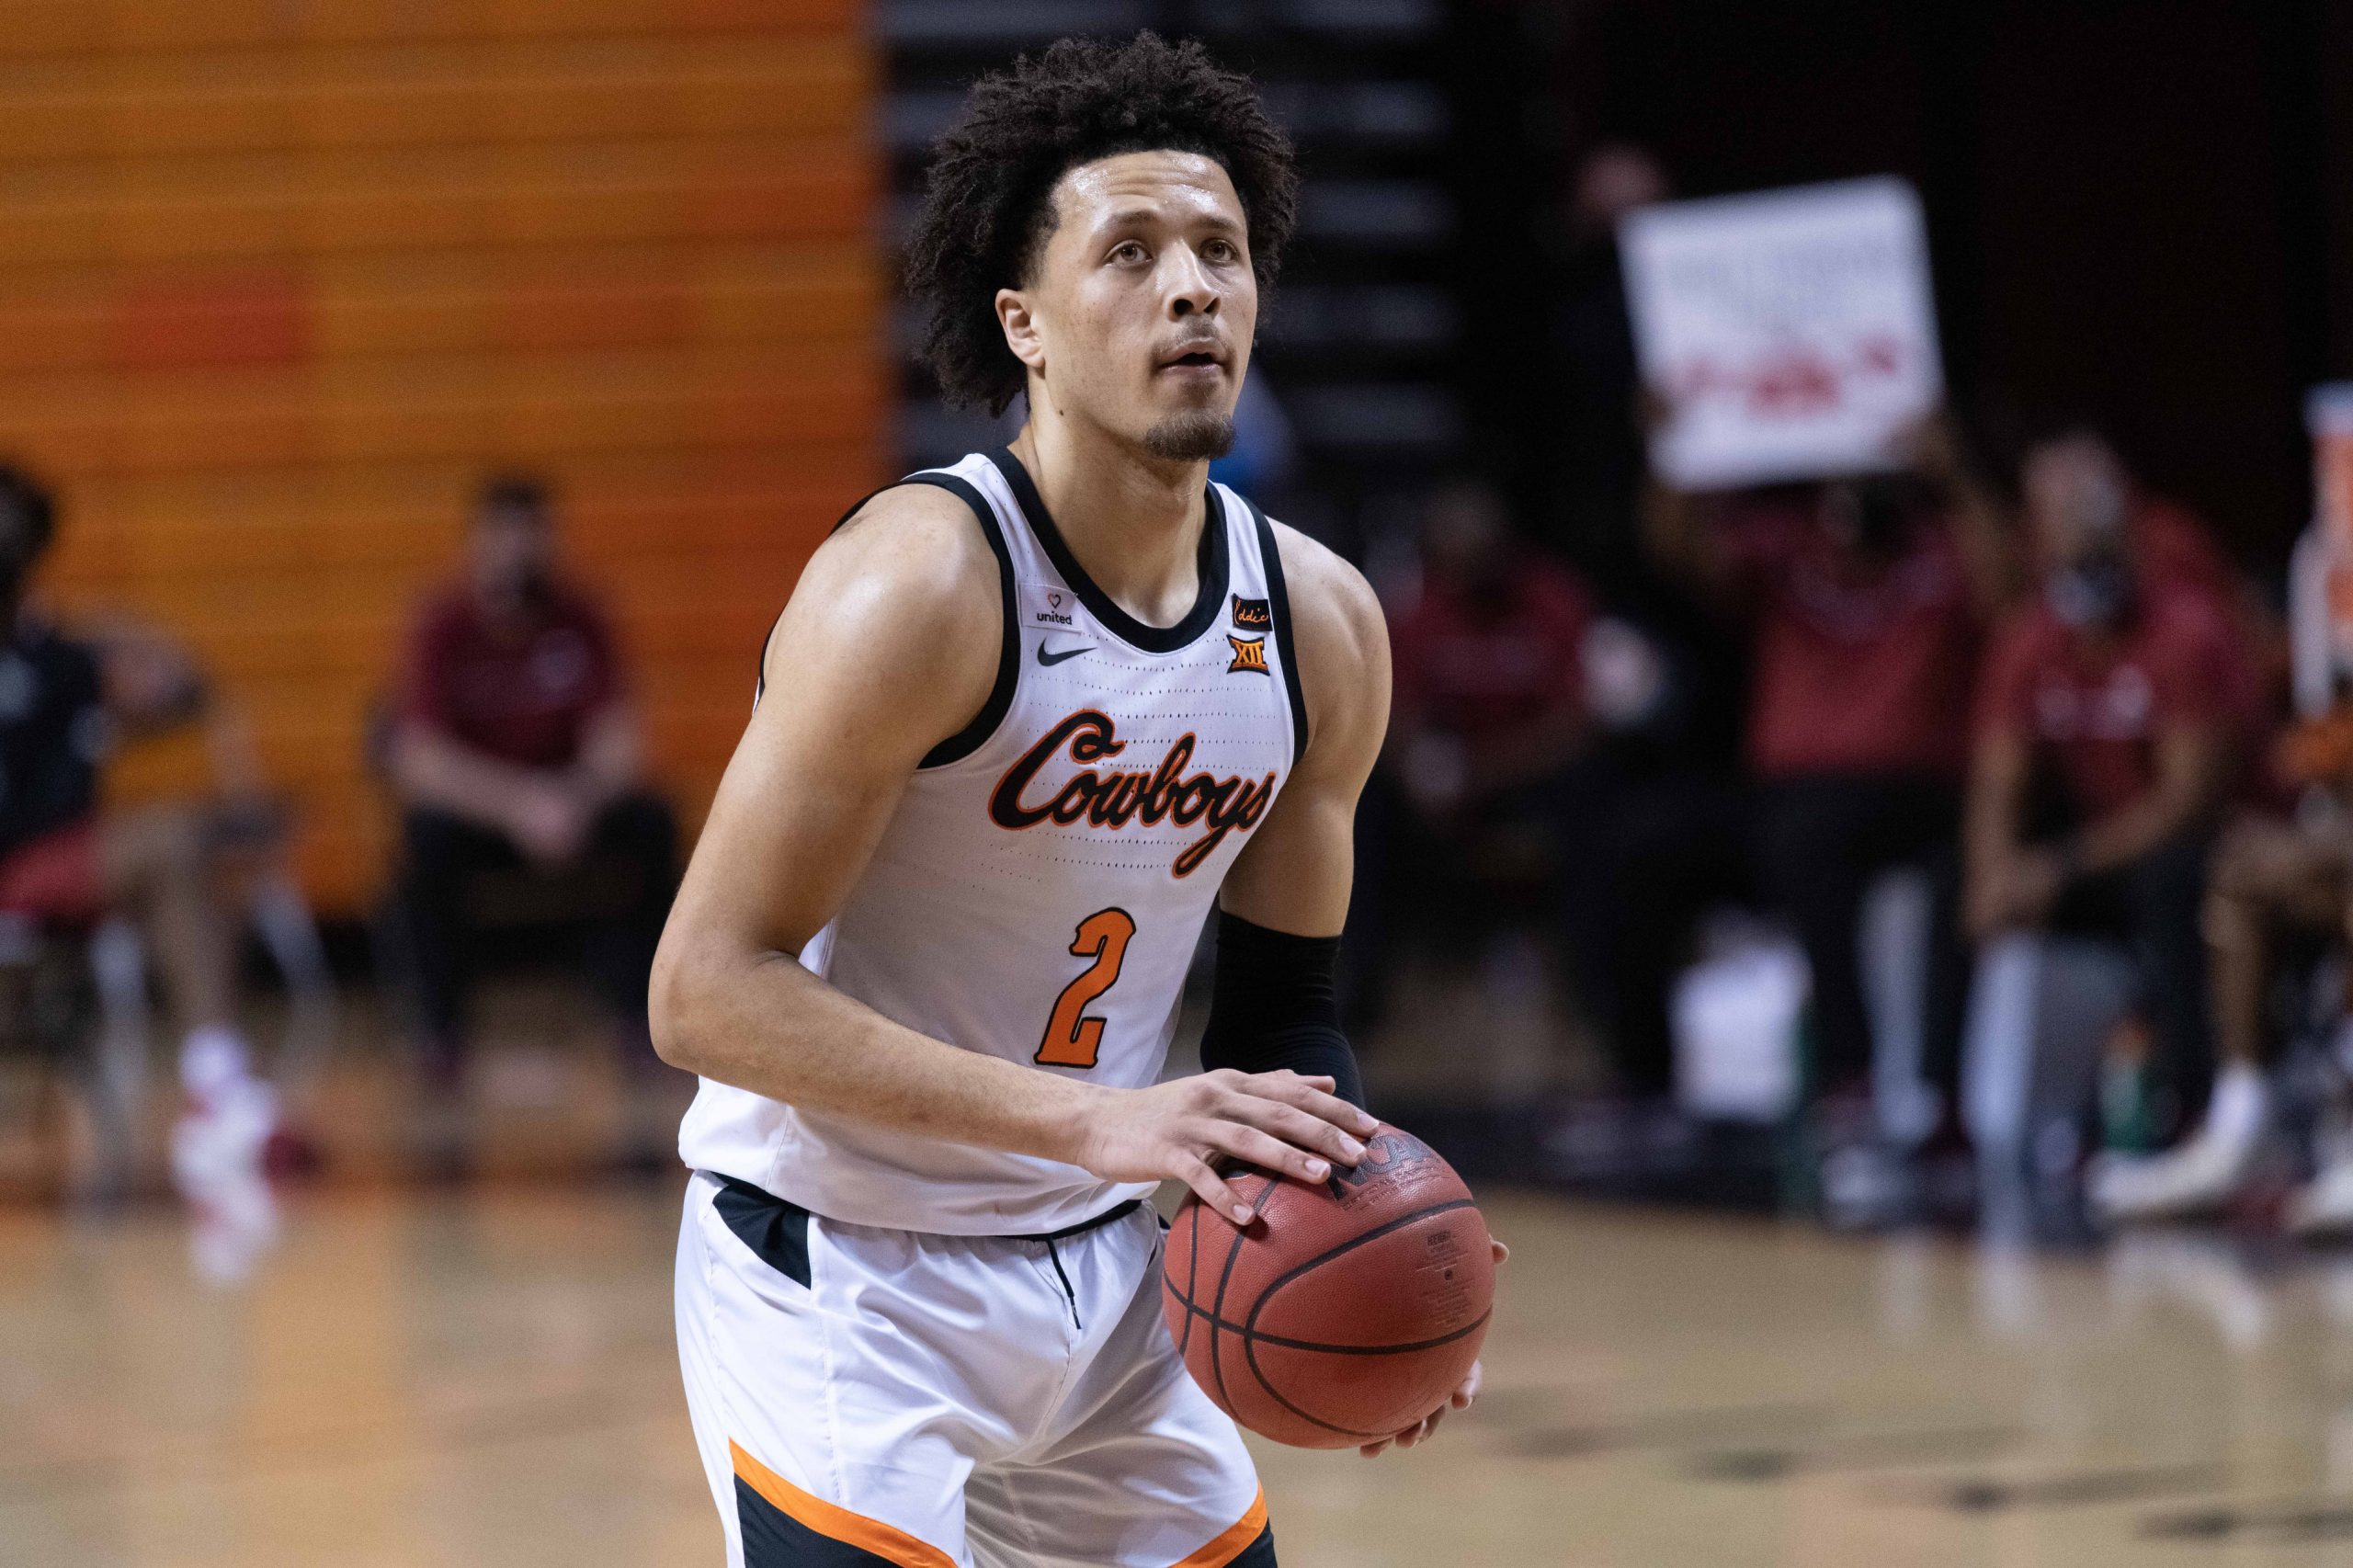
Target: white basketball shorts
(868, 1396)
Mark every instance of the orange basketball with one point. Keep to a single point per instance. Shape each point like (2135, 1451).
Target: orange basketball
(1346, 1311)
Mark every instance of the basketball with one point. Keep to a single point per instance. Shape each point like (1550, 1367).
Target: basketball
(1346, 1311)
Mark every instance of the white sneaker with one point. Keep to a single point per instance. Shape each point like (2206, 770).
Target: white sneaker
(2325, 1204)
(223, 1136)
(2200, 1178)
(232, 1225)
(217, 1165)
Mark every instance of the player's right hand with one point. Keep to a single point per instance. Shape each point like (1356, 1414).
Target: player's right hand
(1277, 1121)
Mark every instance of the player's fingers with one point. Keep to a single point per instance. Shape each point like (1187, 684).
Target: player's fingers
(1374, 1450)
(1503, 1253)
(1246, 1142)
(1295, 1127)
(1292, 1089)
(1471, 1381)
(1195, 1172)
(1314, 1095)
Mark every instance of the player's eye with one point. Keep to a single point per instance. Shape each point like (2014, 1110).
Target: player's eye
(1221, 252)
(1130, 251)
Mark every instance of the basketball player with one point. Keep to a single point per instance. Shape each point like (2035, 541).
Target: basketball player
(1025, 718)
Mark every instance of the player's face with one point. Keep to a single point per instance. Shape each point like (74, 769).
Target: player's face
(1139, 315)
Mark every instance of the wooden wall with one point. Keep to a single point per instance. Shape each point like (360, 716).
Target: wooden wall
(280, 279)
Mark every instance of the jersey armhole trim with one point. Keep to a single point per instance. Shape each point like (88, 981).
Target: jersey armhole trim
(971, 738)
(1278, 608)
(974, 736)
(760, 675)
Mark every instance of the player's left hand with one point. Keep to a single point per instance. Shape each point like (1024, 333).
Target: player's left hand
(1421, 1431)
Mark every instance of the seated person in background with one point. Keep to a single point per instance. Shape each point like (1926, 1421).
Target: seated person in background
(150, 674)
(1867, 597)
(1487, 726)
(2173, 549)
(63, 703)
(2273, 875)
(2103, 736)
(515, 745)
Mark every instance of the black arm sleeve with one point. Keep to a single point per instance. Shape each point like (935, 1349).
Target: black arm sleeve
(1274, 1006)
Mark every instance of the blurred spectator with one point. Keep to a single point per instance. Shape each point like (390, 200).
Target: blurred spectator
(1590, 383)
(148, 672)
(64, 701)
(517, 747)
(2280, 879)
(2102, 744)
(2177, 551)
(1866, 597)
(2272, 878)
(1673, 848)
(1478, 786)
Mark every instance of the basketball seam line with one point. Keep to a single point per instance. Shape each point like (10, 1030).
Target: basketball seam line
(1250, 1337)
(1354, 1242)
(1279, 1342)
(1250, 1334)
(1240, 1233)
(1192, 1274)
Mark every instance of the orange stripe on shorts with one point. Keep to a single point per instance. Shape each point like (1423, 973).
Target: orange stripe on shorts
(1233, 1538)
(891, 1545)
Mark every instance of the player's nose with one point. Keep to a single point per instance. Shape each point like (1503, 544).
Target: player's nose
(1190, 289)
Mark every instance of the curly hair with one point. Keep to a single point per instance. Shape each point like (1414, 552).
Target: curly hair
(987, 209)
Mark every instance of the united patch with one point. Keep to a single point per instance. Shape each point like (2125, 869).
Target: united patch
(1249, 653)
(1251, 615)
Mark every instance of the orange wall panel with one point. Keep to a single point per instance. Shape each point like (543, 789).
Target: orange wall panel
(278, 286)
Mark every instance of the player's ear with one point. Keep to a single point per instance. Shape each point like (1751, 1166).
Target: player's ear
(1013, 314)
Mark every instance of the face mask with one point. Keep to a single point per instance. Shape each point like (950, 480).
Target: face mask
(1879, 519)
(2090, 593)
(1870, 515)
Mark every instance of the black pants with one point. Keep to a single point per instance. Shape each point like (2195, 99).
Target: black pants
(2155, 906)
(630, 855)
(1669, 848)
(1820, 841)
(1423, 879)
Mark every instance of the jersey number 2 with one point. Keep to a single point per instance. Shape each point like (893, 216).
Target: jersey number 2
(1073, 1038)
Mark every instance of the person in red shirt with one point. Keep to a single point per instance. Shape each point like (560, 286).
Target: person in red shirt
(1488, 683)
(1488, 721)
(2101, 747)
(1867, 598)
(177, 871)
(516, 744)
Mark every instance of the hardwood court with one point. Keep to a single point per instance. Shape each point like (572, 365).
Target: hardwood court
(488, 1380)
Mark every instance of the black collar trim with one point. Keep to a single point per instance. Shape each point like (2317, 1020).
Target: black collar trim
(1117, 621)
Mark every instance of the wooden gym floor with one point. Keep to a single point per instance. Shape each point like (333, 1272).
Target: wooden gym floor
(485, 1379)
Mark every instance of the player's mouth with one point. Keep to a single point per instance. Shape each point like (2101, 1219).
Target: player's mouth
(1202, 358)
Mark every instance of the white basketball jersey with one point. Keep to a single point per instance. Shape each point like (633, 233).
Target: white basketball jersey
(1038, 894)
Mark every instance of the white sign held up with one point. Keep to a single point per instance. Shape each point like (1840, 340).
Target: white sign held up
(1791, 333)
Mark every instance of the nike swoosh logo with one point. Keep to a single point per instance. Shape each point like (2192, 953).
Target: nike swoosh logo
(1050, 659)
